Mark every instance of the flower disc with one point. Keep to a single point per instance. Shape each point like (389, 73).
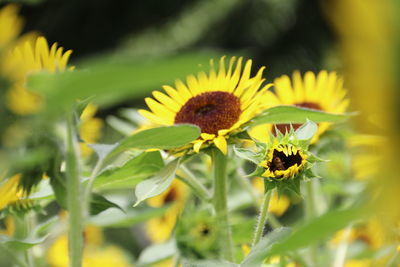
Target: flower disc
(211, 111)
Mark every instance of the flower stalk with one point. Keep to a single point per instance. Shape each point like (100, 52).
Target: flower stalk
(74, 196)
(262, 219)
(197, 187)
(220, 204)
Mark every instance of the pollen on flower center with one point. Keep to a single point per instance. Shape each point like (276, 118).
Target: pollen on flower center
(211, 111)
(283, 128)
(281, 162)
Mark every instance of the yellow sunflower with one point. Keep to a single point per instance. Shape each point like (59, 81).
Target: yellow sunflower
(323, 91)
(26, 58)
(283, 161)
(11, 192)
(219, 103)
(160, 229)
(95, 253)
(10, 25)
(367, 157)
(89, 129)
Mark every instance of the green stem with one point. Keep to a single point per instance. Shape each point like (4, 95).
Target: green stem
(74, 196)
(310, 201)
(220, 204)
(197, 187)
(262, 218)
(11, 253)
(311, 213)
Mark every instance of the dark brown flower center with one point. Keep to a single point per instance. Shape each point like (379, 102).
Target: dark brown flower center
(283, 128)
(211, 111)
(171, 196)
(281, 162)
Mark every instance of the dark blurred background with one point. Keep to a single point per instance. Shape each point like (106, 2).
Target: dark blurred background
(283, 35)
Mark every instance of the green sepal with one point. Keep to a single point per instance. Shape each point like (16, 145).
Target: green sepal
(248, 154)
(257, 172)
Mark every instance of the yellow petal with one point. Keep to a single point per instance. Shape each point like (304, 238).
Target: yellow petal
(221, 144)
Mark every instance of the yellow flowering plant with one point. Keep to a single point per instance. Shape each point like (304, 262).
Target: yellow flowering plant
(187, 159)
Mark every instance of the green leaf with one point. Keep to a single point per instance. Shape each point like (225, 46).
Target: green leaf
(159, 138)
(247, 154)
(305, 235)
(293, 114)
(21, 244)
(317, 229)
(116, 219)
(157, 184)
(306, 131)
(157, 252)
(102, 150)
(258, 254)
(59, 186)
(99, 203)
(209, 263)
(112, 79)
(131, 173)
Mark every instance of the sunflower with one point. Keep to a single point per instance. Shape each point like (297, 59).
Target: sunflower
(367, 157)
(24, 59)
(95, 252)
(10, 25)
(283, 161)
(219, 103)
(89, 129)
(11, 192)
(160, 229)
(323, 91)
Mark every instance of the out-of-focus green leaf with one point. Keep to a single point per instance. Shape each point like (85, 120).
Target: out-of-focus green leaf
(293, 114)
(157, 252)
(44, 227)
(131, 173)
(306, 131)
(208, 263)
(248, 154)
(317, 229)
(258, 254)
(113, 218)
(20, 244)
(112, 79)
(305, 235)
(157, 184)
(167, 137)
(99, 203)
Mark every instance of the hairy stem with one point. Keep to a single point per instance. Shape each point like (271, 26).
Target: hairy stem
(220, 204)
(262, 219)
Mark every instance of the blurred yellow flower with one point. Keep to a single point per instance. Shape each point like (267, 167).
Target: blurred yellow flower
(278, 205)
(219, 103)
(370, 233)
(26, 58)
(160, 229)
(95, 254)
(10, 191)
(359, 263)
(323, 91)
(367, 155)
(283, 161)
(10, 25)
(89, 129)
